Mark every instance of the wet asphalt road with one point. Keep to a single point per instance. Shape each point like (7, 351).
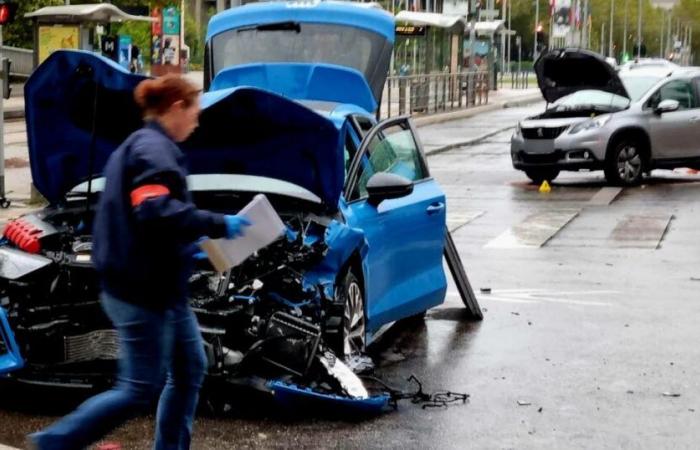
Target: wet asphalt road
(590, 323)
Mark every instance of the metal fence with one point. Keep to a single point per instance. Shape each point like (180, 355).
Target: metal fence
(516, 80)
(22, 60)
(428, 94)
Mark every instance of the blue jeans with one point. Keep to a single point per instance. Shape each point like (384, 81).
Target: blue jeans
(156, 347)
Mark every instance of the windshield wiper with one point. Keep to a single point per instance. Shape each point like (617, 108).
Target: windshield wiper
(277, 26)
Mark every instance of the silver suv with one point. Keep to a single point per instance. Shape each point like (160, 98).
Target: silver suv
(625, 123)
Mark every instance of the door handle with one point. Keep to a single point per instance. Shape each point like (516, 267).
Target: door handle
(435, 208)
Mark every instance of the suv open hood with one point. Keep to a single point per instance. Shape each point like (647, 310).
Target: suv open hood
(306, 51)
(562, 72)
(242, 130)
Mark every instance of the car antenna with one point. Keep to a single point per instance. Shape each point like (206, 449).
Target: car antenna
(88, 71)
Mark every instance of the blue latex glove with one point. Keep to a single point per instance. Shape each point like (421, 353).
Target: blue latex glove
(235, 225)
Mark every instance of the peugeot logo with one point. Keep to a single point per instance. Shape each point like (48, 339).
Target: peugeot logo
(540, 132)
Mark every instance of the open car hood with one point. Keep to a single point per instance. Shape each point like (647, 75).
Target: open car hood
(328, 51)
(242, 130)
(562, 72)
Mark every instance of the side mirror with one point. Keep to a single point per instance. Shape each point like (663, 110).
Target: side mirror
(384, 186)
(667, 106)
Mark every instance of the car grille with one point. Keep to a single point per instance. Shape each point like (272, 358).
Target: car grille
(98, 344)
(540, 158)
(542, 132)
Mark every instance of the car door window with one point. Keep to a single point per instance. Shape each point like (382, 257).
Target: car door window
(679, 90)
(392, 150)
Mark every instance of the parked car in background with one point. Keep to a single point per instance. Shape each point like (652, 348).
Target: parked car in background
(625, 123)
(648, 63)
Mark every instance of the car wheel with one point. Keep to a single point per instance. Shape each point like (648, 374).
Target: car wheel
(351, 337)
(539, 175)
(624, 164)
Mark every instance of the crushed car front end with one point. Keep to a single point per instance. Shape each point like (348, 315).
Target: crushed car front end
(274, 319)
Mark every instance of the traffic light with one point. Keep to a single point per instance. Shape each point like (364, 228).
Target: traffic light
(7, 12)
(6, 89)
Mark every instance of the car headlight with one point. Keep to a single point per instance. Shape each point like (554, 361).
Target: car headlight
(591, 124)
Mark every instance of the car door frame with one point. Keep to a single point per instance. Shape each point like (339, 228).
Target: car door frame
(353, 171)
(683, 152)
(350, 187)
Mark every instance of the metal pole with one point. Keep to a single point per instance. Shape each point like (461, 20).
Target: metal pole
(2, 128)
(602, 38)
(624, 41)
(537, 20)
(639, 30)
(503, 39)
(510, 37)
(612, 27)
(661, 39)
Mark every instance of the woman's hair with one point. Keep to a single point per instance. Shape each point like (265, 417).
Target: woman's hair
(155, 96)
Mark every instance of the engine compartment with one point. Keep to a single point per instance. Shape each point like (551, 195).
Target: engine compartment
(277, 316)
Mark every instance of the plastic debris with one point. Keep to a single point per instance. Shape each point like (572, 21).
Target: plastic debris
(524, 403)
(671, 394)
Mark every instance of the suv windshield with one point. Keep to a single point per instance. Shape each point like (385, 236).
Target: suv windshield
(299, 42)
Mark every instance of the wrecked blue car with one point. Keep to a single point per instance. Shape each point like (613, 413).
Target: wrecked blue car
(292, 90)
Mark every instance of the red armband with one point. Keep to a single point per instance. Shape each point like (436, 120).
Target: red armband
(143, 193)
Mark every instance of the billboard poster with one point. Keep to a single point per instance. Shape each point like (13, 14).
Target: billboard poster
(561, 18)
(57, 37)
(171, 20)
(124, 51)
(157, 24)
(171, 50)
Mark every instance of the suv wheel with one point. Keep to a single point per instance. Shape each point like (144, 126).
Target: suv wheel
(624, 164)
(539, 175)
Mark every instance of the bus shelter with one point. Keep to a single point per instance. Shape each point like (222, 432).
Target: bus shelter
(74, 27)
(427, 43)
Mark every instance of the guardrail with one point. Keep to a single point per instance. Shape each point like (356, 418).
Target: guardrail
(22, 60)
(428, 94)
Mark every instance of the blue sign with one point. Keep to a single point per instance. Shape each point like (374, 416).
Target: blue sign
(124, 51)
(171, 20)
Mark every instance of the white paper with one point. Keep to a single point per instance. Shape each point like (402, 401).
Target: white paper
(265, 227)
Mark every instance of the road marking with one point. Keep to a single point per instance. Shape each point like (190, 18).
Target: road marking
(535, 230)
(640, 231)
(455, 221)
(542, 296)
(605, 196)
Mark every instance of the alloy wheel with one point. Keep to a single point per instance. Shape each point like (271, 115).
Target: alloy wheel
(629, 164)
(354, 323)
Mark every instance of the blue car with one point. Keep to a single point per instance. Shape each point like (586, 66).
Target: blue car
(291, 95)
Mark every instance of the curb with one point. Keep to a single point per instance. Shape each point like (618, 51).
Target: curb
(471, 112)
(467, 142)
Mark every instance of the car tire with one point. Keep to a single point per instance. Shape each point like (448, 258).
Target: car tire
(624, 163)
(539, 175)
(351, 337)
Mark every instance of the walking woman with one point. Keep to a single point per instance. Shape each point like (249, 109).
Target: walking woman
(144, 231)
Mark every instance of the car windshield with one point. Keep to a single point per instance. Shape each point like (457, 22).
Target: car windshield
(637, 86)
(298, 42)
(590, 98)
